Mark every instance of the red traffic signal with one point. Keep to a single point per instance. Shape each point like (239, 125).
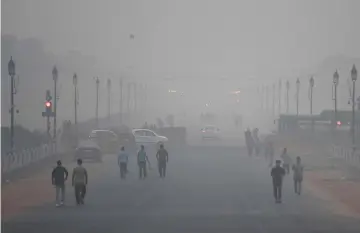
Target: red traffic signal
(48, 104)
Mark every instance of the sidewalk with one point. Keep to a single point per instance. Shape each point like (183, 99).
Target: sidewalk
(35, 189)
(29, 187)
(334, 186)
(326, 177)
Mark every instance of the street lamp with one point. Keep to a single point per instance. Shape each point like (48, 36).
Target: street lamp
(311, 85)
(55, 78)
(297, 96)
(287, 96)
(336, 83)
(11, 69)
(97, 81)
(279, 97)
(75, 82)
(353, 78)
(109, 96)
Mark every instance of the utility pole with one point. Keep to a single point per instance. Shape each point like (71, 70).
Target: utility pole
(75, 82)
(287, 96)
(121, 101)
(279, 97)
(109, 97)
(97, 81)
(11, 69)
(55, 78)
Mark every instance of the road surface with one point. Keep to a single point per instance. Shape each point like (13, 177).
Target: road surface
(207, 189)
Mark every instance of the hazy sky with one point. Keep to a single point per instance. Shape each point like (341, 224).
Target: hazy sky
(206, 36)
(192, 38)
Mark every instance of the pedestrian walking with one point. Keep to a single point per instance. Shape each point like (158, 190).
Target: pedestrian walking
(123, 159)
(79, 182)
(162, 157)
(269, 153)
(142, 158)
(256, 141)
(298, 170)
(277, 174)
(249, 142)
(58, 177)
(286, 160)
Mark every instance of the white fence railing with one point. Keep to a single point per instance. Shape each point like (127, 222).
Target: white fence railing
(25, 157)
(351, 155)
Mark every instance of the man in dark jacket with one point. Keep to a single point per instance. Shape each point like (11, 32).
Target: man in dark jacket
(162, 158)
(58, 177)
(249, 141)
(277, 174)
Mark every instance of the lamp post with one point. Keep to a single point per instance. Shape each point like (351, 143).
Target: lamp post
(97, 81)
(75, 82)
(287, 96)
(121, 101)
(11, 69)
(336, 82)
(353, 78)
(267, 99)
(109, 96)
(55, 78)
(273, 101)
(279, 97)
(311, 86)
(297, 96)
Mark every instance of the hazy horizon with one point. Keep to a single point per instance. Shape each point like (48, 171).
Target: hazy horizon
(198, 44)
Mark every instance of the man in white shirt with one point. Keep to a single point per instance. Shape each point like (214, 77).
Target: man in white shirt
(123, 159)
(298, 170)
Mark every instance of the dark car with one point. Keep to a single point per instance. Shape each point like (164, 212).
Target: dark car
(107, 140)
(88, 150)
(126, 138)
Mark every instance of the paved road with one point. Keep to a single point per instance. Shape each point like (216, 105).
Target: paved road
(207, 189)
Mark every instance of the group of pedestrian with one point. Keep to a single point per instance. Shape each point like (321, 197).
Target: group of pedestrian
(279, 171)
(162, 157)
(252, 141)
(59, 176)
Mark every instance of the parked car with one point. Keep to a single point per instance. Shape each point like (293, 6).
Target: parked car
(148, 137)
(107, 140)
(88, 150)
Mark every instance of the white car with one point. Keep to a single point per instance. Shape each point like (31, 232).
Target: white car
(210, 132)
(148, 137)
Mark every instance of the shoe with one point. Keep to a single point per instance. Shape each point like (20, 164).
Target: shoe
(61, 203)
(57, 205)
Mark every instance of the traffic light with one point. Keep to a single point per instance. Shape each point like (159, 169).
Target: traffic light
(48, 106)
